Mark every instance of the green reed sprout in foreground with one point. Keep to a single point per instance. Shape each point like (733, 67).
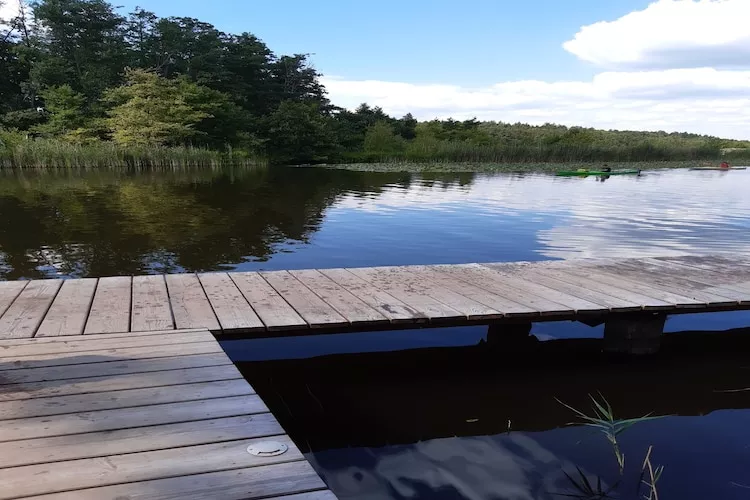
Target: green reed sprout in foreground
(603, 420)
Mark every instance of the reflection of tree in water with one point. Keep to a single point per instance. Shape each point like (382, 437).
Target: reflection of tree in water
(110, 222)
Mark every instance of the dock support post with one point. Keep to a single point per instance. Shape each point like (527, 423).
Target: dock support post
(508, 333)
(634, 333)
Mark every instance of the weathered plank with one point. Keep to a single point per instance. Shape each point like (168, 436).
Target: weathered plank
(131, 467)
(506, 306)
(407, 288)
(110, 368)
(273, 310)
(77, 403)
(151, 309)
(200, 346)
(232, 309)
(350, 307)
(124, 418)
(116, 442)
(26, 313)
(190, 305)
(314, 310)
(650, 275)
(484, 278)
(593, 278)
(235, 484)
(67, 314)
(388, 305)
(110, 310)
(529, 273)
(12, 349)
(731, 283)
(9, 290)
(90, 385)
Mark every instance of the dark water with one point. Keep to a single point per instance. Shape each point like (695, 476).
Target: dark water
(424, 414)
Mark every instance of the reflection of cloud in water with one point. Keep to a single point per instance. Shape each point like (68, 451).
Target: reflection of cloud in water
(660, 213)
(473, 468)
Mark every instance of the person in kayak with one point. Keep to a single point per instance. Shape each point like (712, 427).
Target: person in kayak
(724, 164)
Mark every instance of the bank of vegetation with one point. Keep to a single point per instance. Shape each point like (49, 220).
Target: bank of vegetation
(83, 85)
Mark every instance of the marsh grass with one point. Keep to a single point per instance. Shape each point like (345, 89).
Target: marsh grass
(31, 153)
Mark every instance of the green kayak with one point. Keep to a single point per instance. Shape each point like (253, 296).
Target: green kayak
(718, 168)
(583, 172)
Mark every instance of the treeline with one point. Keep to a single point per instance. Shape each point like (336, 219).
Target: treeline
(81, 81)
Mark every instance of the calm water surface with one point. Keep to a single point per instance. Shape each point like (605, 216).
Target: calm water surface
(433, 422)
(98, 223)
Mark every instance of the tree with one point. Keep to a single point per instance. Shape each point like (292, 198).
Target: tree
(150, 110)
(65, 108)
(380, 138)
(82, 45)
(298, 133)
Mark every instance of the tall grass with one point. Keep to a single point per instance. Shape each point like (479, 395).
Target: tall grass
(29, 153)
(456, 151)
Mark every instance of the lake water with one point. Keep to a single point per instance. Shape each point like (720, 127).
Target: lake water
(434, 414)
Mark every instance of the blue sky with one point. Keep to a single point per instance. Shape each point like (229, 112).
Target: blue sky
(674, 65)
(471, 42)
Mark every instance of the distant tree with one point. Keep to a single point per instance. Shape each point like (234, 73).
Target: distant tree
(298, 133)
(380, 138)
(81, 45)
(151, 110)
(406, 127)
(65, 109)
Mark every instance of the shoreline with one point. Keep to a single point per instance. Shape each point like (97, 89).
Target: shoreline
(521, 168)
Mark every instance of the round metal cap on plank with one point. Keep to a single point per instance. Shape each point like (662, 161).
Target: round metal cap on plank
(267, 449)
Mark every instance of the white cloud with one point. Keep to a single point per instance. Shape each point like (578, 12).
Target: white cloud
(670, 34)
(8, 10)
(678, 65)
(700, 100)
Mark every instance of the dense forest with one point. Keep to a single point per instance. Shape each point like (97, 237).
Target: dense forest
(80, 79)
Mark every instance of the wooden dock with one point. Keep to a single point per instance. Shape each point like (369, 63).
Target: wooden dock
(140, 416)
(257, 304)
(117, 388)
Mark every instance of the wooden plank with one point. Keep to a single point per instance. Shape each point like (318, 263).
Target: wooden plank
(312, 308)
(67, 314)
(96, 444)
(408, 289)
(350, 307)
(236, 484)
(125, 398)
(108, 355)
(713, 282)
(6, 344)
(649, 274)
(592, 278)
(530, 274)
(388, 305)
(144, 466)
(110, 368)
(110, 310)
(9, 290)
(25, 314)
(124, 418)
(230, 306)
(151, 309)
(508, 307)
(483, 278)
(273, 310)
(310, 495)
(89, 385)
(34, 347)
(190, 305)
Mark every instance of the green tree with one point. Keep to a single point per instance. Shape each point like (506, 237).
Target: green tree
(151, 110)
(380, 138)
(298, 133)
(65, 109)
(81, 45)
